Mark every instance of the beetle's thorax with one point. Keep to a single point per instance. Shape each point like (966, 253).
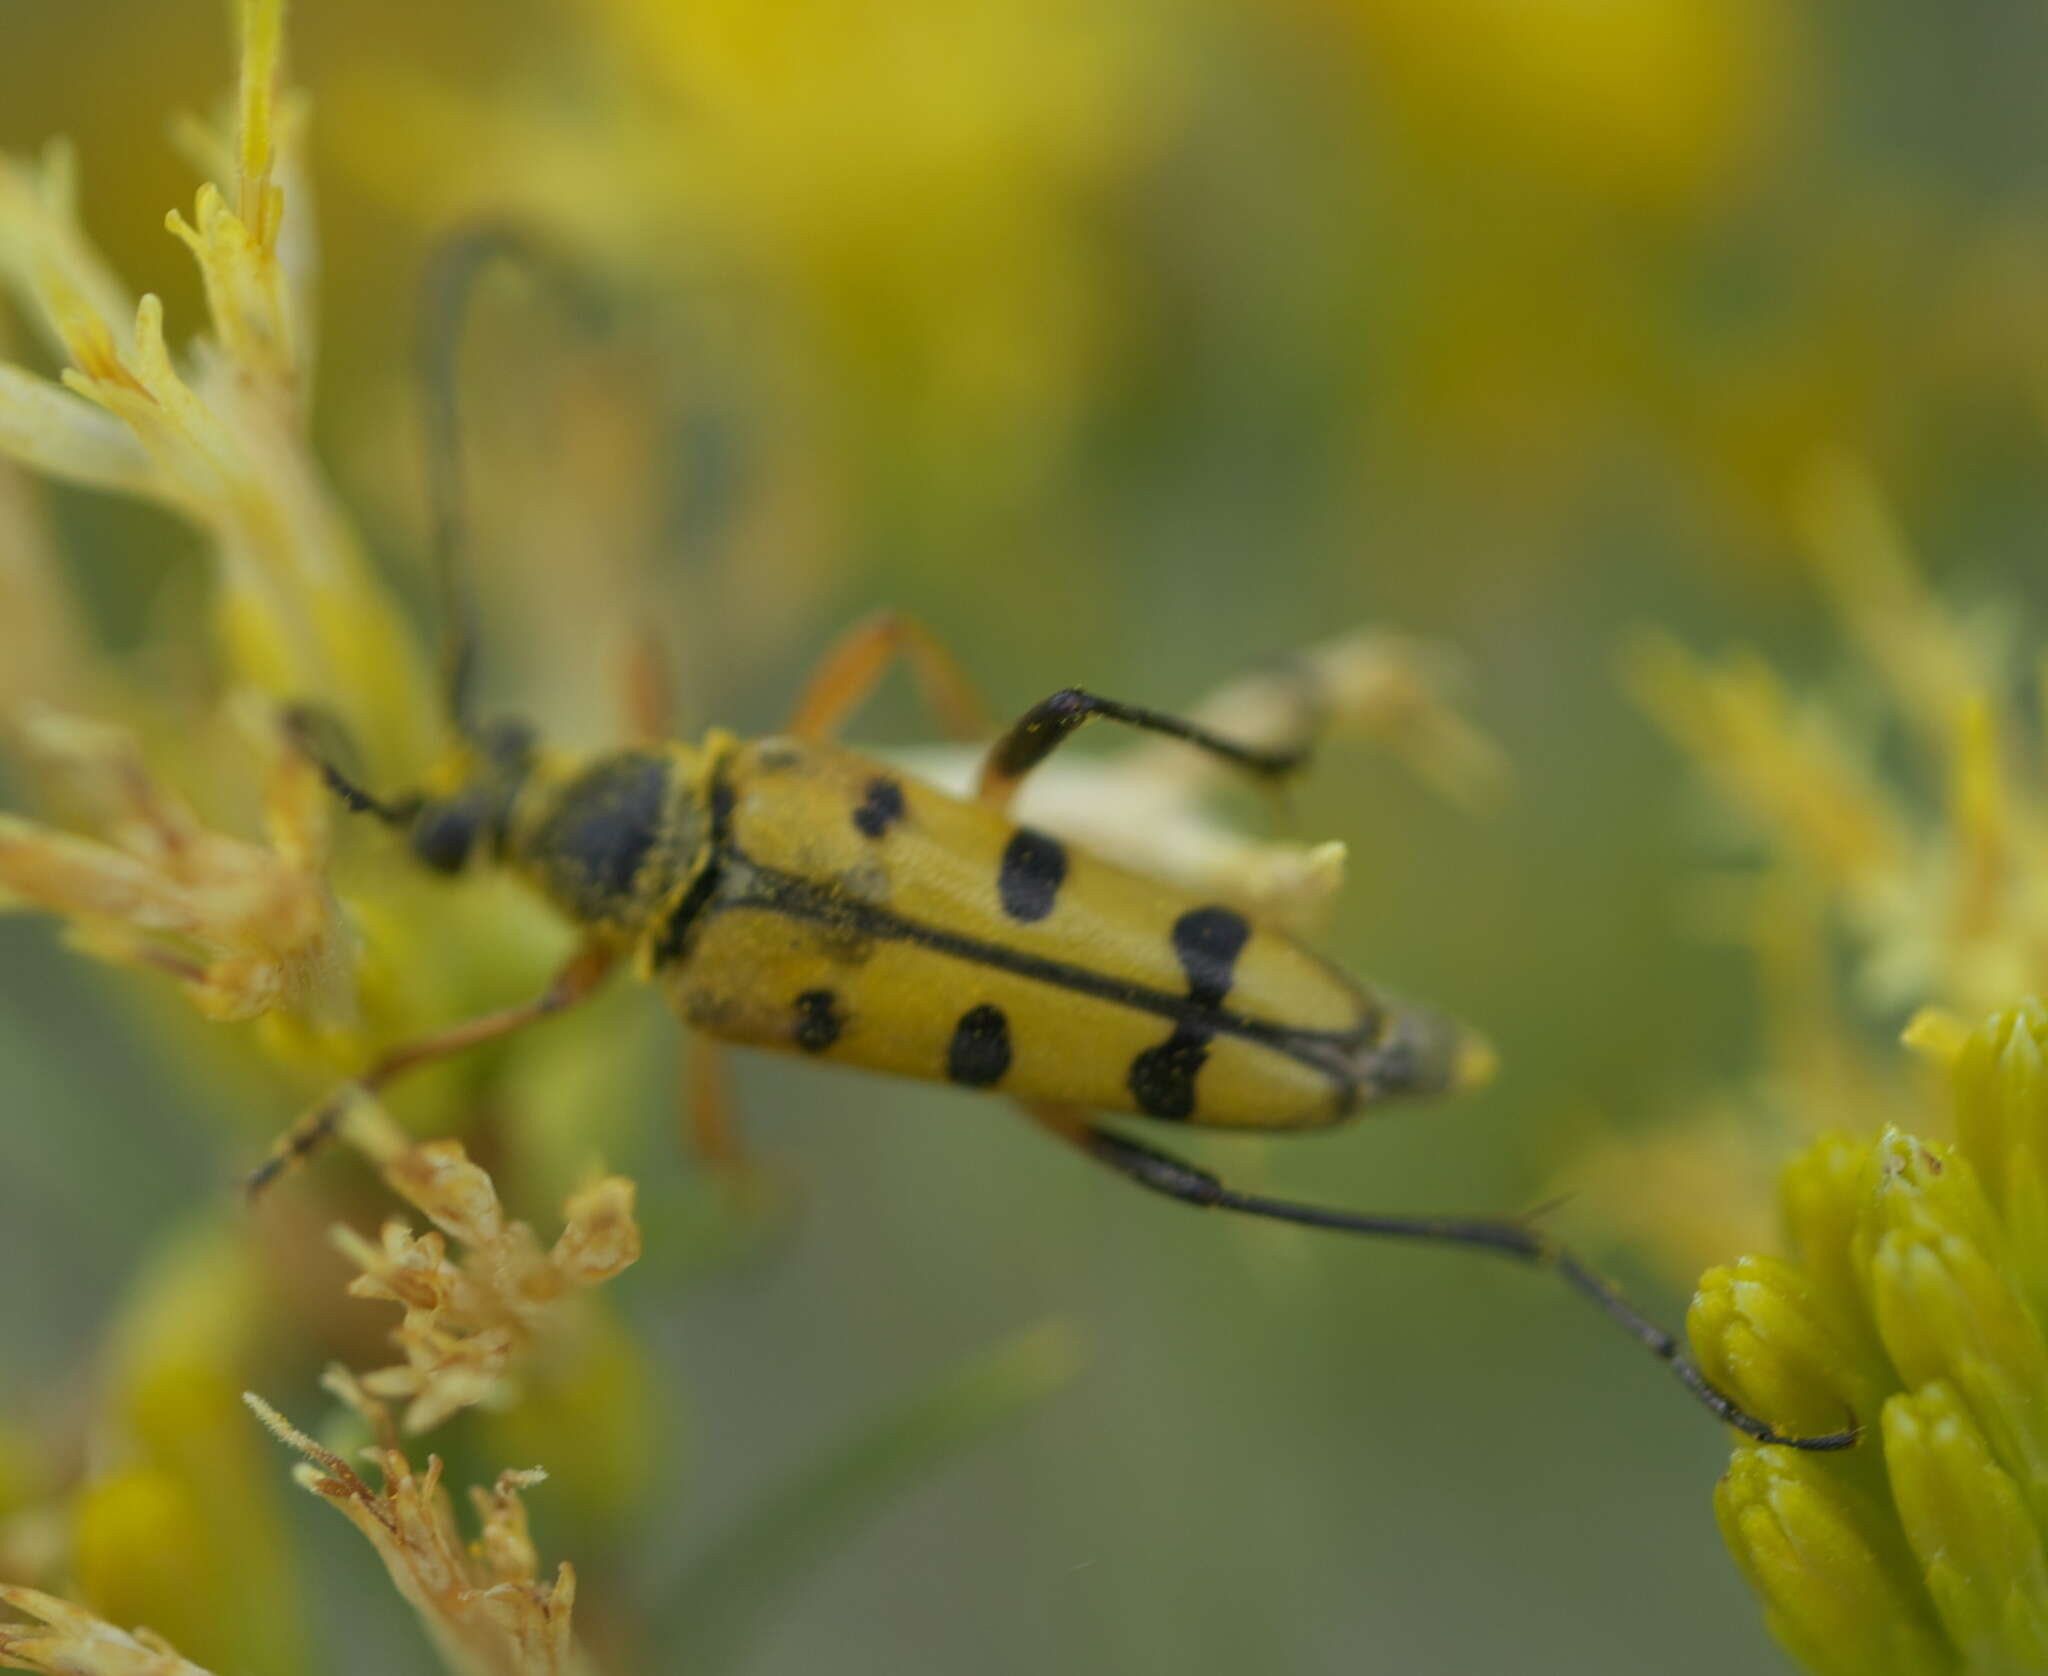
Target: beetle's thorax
(612, 838)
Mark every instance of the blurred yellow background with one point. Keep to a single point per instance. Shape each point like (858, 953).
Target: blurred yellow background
(1126, 343)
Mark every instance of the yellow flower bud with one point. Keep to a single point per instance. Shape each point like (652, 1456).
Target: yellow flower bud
(1761, 1336)
(1839, 1591)
(1979, 1549)
(1822, 1198)
(2002, 1127)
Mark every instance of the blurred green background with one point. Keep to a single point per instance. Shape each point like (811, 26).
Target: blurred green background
(1126, 344)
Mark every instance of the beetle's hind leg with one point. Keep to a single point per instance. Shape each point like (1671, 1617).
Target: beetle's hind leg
(577, 979)
(1043, 728)
(1162, 1173)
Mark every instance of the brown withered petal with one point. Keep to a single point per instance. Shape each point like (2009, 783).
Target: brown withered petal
(470, 1319)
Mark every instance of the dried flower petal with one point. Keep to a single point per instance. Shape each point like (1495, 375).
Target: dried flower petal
(248, 927)
(481, 1602)
(470, 1320)
(66, 1641)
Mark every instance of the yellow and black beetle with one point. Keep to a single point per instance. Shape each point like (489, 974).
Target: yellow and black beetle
(789, 893)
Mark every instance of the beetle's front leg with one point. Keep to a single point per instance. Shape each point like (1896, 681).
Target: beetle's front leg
(578, 978)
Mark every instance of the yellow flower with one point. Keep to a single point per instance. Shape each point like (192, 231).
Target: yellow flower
(1895, 851)
(175, 1524)
(1915, 1297)
(221, 441)
(1939, 905)
(175, 829)
(900, 209)
(190, 839)
(1639, 102)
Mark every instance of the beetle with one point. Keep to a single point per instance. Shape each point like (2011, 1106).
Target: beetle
(789, 893)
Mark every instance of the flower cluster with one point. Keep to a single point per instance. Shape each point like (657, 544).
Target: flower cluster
(1916, 1298)
(899, 209)
(245, 926)
(1890, 836)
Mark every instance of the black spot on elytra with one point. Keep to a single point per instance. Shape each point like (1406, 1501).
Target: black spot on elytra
(1162, 1078)
(818, 1020)
(1208, 941)
(1034, 867)
(979, 1053)
(882, 807)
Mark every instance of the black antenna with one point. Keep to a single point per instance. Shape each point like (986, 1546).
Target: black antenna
(303, 727)
(453, 271)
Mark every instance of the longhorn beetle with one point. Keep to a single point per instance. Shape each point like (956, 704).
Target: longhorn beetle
(788, 893)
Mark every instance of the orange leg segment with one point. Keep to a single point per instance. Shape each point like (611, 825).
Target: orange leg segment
(585, 970)
(713, 1118)
(849, 673)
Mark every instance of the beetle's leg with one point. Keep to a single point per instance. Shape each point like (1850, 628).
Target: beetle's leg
(712, 1126)
(583, 972)
(1047, 724)
(858, 660)
(1503, 1236)
(648, 690)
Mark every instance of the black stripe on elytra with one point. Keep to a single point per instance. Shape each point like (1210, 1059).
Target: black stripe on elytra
(1034, 867)
(979, 1053)
(1162, 1078)
(1332, 1052)
(675, 935)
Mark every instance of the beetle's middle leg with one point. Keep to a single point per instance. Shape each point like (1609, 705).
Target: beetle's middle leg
(1162, 1173)
(710, 1113)
(849, 673)
(1043, 728)
(578, 978)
